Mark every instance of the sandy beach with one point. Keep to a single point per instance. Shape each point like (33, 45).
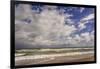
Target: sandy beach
(55, 58)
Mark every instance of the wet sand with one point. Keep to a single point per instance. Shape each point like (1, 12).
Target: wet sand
(57, 59)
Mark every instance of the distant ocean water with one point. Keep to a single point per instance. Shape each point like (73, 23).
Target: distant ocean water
(51, 55)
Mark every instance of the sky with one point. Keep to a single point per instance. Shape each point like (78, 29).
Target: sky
(38, 24)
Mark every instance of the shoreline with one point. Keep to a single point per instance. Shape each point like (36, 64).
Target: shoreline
(54, 58)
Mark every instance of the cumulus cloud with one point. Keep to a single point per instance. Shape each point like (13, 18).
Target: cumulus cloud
(84, 39)
(81, 26)
(47, 27)
(46, 30)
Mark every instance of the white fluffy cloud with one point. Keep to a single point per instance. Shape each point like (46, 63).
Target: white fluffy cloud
(84, 39)
(81, 26)
(47, 27)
